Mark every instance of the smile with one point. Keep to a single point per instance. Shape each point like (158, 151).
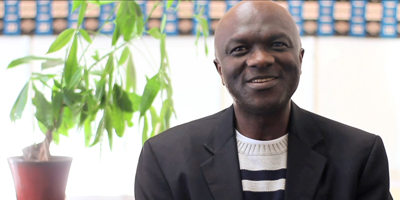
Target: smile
(263, 83)
(262, 80)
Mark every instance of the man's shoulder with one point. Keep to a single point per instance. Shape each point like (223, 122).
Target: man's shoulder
(196, 130)
(338, 132)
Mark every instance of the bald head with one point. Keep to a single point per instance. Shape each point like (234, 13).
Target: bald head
(264, 14)
(258, 57)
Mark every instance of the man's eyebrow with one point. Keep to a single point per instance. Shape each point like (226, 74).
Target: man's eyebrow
(280, 36)
(236, 40)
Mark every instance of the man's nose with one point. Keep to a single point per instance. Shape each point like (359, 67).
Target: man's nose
(260, 58)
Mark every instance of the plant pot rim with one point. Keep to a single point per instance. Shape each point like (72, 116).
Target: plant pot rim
(53, 159)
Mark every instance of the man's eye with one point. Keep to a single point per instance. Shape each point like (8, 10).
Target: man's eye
(238, 49)
(279, 45)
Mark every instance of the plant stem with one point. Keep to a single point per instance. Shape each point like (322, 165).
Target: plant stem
(105, 56)
(97, 33)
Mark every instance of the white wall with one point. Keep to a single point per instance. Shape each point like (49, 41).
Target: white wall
(357, 83)
(351, 80)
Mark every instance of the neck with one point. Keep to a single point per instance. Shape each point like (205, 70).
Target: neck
(262, 126)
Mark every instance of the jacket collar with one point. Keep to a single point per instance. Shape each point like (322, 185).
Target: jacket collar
(222, 171)
(305, 165)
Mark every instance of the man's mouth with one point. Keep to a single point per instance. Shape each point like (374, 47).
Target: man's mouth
(262, 83)
(262, 80)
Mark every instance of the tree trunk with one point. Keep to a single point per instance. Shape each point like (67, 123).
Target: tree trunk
(41, 151)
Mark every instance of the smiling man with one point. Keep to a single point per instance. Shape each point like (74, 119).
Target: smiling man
(264, 146)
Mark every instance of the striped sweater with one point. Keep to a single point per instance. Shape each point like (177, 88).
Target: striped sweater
(263, 167)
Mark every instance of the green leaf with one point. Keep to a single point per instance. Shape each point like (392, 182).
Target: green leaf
(169, 3)
(43, 109)
(154, 117)
(57, 84)
(42, 127)
(84, 114)
(100, 130)
(56, 138)
(59, 120)
(109, 126)
(76, 78)
(27, 59)
(124, 56)
(96, 55)
(129, 21)
(135, 99)
(71, 65)
(139, 20)
(43, 78)
(197, 36)
(76, 4)
(70, 117)
(96, 72)
(20, 103)
(166, 113)
(50, 63)
(130, 74)
(149, 94)
(145, 130)
(116, 35)
(85, 35)
(163, 51)
(86, 78)
(128, 118)
(61, 40)
(126, 19)
(163, 22)
(121, 98)
(82, 12)
(63, 130)
(57, 101)
(155, 33)
(109, 66)
(100, 89)
(204, 26)
(68, 121)
(118, 121)
(88, 132)
(101, 2)
(70, 97)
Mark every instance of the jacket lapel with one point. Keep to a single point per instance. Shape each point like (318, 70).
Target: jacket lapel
(222, 171)
(305, 166)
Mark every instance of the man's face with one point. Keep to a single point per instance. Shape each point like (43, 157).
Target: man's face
(259, 59)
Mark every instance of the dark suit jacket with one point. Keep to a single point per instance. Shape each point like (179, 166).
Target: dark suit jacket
(327, 160)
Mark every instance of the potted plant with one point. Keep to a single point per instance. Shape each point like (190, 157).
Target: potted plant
(88, 93)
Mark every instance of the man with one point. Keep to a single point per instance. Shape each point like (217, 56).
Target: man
(264, 146)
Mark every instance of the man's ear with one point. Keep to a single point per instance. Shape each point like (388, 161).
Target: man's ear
(219, 70)
(301, 54)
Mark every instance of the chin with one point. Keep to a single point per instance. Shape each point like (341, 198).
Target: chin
(264, 108)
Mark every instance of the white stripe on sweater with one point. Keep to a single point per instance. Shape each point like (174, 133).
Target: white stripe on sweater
(263, 186)
(257, 163)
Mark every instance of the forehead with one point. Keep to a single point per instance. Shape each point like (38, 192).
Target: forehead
(254, 21)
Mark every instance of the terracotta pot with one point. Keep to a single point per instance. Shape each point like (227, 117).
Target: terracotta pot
(40, 180)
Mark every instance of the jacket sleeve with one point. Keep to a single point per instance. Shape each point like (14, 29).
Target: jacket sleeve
(374, 180)
(150, 182)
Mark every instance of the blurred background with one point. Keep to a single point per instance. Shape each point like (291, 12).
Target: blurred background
(350, 74)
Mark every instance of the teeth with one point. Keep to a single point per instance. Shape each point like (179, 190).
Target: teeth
(262, 80)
